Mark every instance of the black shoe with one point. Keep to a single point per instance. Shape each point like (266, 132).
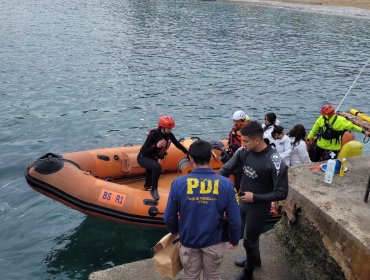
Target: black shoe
(246, 275)
(258, 262)
(240, 262)
(239, 276)
(154, 193)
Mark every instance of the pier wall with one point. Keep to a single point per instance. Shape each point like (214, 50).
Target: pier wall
(327, 226)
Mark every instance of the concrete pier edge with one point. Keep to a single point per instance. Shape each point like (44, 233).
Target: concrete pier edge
(325, 233)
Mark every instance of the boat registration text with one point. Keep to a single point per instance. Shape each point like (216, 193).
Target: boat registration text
(112, 198)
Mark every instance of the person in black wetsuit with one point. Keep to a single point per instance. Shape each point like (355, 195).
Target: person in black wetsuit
(265, 179)
(155, 148)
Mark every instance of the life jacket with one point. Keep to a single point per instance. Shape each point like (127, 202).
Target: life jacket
(234, 140)
(327, 132)
(161, 152)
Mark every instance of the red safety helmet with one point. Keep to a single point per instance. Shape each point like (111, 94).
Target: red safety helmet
(327, 110)
(166, 122)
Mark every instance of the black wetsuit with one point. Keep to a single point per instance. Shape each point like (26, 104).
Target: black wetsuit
(150, 153)
(265, 174)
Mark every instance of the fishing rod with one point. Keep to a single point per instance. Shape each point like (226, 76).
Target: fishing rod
(359, 74)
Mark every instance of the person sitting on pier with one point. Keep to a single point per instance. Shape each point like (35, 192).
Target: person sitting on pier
(155, 147)
(299, 154)
(326, 134)
(268, 127)
(281, 143)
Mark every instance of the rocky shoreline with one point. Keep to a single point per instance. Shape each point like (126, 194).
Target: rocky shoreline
(362, 4)
(342, 7)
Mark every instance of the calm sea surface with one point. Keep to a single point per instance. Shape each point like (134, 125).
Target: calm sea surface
(78, 75)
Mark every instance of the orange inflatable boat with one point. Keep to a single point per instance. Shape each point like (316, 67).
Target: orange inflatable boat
(108, 183)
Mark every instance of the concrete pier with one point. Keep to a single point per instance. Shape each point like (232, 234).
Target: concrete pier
(325, 233)
(274, 266)
(328, 226)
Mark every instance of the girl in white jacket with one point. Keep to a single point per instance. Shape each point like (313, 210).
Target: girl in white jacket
(299, 152)
(282, 143)
(268, 126)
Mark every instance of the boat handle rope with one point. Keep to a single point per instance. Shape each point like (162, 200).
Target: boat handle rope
(75, 164)
(366, 139)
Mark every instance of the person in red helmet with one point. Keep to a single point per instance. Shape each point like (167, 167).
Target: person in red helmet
(328, 130)
(155, 147)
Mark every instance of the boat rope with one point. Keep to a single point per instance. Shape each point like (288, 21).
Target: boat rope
(354, 82)
(7, 184)
(75, 164)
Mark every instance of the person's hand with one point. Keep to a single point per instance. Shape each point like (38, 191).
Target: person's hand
(367, 133)
(161, 143)
(247, 197)
(231, 246)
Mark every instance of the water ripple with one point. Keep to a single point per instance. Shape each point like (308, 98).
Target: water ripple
(82, 75)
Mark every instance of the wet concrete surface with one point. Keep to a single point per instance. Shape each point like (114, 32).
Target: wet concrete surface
(275, 264)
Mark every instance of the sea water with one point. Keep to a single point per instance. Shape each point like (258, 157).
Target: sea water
(78, 75)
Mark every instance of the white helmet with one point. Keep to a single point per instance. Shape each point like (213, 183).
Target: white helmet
(240, 116)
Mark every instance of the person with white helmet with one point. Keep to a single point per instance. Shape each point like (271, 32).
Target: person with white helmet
(240, 119)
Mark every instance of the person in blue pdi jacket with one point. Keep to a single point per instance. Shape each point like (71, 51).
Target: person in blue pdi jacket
(197, 206)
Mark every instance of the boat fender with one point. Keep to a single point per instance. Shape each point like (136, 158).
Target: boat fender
(49, 164)
(351, 149)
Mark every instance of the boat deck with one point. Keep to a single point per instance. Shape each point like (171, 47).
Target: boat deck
(164, 183)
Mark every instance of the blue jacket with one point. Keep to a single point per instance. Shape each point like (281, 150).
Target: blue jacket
(196, 207)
